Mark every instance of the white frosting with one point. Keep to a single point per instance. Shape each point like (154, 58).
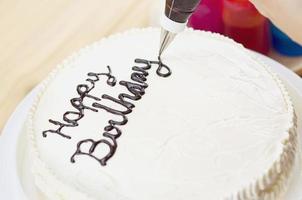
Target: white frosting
(217, 127)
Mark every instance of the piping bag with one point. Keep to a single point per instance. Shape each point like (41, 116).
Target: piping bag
(174, 20)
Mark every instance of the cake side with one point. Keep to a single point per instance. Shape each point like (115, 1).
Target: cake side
(269, 185)
(275, 182)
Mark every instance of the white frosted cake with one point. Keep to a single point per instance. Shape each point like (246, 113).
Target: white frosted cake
(207, 121)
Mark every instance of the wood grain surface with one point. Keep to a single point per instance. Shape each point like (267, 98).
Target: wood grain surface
(35, 35)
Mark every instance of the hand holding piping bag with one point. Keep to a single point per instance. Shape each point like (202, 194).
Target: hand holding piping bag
(286, 14)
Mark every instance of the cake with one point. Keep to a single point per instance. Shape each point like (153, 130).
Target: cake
(204, 121)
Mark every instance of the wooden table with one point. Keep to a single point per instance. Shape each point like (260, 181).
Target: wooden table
(35, 35)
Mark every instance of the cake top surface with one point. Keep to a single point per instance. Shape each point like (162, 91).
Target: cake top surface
(212, 127)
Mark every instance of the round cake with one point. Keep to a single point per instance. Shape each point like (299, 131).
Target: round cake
(204, 121)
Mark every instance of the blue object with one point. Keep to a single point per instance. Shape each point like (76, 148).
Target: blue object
(283, 44)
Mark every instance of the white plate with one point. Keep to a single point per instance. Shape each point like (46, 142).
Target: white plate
(15, 178)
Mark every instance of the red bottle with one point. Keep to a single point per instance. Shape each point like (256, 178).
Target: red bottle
(246, 25)
(208, 16)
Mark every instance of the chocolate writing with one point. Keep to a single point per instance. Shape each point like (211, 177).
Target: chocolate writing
(112, 131)
(71, 118)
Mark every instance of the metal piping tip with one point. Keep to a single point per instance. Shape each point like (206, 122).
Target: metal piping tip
(166, 38)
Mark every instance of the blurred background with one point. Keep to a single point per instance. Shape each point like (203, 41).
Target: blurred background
(36, 35)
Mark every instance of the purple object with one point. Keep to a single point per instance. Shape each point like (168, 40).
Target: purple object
(208, 16)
